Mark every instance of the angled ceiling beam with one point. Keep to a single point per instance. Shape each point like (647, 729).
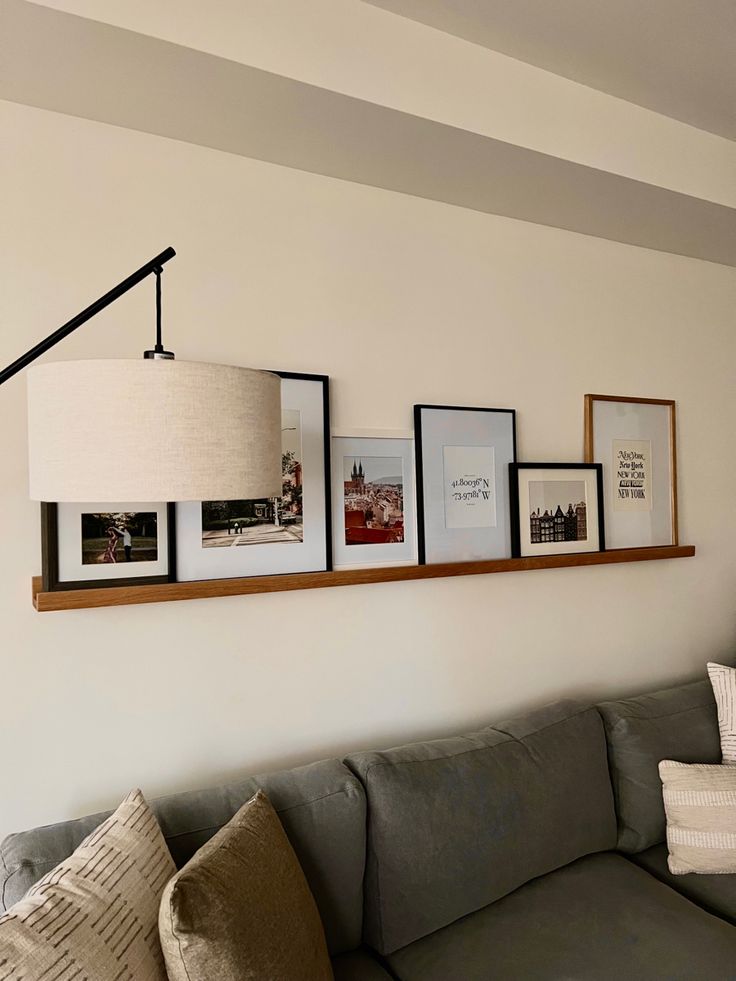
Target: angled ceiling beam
(69, 64)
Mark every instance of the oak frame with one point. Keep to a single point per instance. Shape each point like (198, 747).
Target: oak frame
(589, 437)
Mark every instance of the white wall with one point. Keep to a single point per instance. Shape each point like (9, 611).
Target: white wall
(399, 300)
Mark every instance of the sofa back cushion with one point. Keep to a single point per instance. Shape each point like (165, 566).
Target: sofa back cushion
(675, 724)
(455, 824)
(322, 809)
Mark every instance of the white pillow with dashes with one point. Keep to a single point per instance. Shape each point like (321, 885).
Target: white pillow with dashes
(723, 680)
(96, 914)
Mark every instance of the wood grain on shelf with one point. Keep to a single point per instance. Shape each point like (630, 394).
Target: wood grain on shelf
(80, 599)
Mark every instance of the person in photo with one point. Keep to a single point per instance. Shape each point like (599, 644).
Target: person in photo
(112, 545)
(127, 540)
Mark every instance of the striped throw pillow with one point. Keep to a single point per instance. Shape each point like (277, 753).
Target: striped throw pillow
(95, 916)
(700, 802)
(723, 680)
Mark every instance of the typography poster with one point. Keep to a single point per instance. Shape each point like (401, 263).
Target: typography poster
(632, 474)
(470, 486)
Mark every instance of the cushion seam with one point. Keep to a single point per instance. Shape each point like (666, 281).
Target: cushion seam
(279, 810)
(7, 875)
(179, 834)
(476, 749)
(550, 725)
(173, 932)
(651, 718)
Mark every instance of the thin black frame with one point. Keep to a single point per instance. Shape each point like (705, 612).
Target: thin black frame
(514, 469)
(419, 477)
(325, 380)
(50, 557)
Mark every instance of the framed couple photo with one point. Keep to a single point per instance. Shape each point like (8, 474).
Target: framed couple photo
(88, 546)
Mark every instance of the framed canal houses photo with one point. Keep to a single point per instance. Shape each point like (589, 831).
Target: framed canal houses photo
(462, 460)
(556, 508)
(634, 441)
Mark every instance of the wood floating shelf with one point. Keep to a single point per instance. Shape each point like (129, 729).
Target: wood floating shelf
(82, 599)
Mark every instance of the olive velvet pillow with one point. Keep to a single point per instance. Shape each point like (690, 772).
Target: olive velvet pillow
(241, 909)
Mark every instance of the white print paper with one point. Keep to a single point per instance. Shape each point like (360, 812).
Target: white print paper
(632, 475)
(470, 486)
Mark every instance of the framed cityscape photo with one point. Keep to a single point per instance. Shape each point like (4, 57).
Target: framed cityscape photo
(273, 536)
(634, 440)
(88, 546)
(556, 508)
(462, 458)
(374, 514)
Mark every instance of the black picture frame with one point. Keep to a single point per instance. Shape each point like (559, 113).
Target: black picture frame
(516, 468)
(325, 380)
(191, 569)
(50, 557)
(419, 457)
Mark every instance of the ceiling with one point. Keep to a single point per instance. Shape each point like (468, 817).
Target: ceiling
(677, 57)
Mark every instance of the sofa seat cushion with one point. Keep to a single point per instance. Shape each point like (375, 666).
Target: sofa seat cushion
(716, 893)
(359, 965)
(599, 919)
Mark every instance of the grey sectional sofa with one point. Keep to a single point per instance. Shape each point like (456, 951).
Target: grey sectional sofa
(531, 849)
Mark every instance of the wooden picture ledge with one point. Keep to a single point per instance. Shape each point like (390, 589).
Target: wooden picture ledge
(81, 599)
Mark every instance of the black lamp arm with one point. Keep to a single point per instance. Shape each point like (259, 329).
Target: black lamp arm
(154, 266)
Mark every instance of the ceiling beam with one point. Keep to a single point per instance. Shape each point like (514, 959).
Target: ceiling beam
(69, 64)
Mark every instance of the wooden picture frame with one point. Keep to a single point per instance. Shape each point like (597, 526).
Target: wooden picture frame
(51, 559)
(617, 426)
(555, 531)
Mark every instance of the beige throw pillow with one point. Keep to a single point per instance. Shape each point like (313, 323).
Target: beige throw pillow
(241, 909)
(723, 680)
(95, 915)
(700, 802)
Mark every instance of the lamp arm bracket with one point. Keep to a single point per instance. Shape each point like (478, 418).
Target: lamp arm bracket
(154, 266)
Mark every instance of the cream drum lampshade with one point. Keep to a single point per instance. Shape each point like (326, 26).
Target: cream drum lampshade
(153, 430)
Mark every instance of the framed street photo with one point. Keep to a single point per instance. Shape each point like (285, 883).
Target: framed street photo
(462, 459)
(274, 536)
(374, 515)
(88, 546)
(556, 508)
(634, 440)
